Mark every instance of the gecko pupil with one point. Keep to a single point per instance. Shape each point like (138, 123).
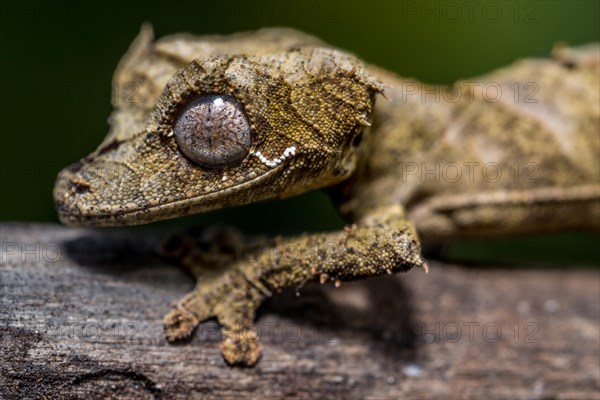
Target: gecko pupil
(213, 131)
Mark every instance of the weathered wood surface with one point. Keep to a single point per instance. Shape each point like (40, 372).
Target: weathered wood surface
(81, 317)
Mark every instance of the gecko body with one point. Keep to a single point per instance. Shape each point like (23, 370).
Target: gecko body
(221, 121)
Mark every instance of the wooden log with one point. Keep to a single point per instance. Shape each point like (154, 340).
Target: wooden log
(81, 317)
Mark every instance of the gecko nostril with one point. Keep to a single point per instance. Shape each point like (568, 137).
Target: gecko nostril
(80, 186)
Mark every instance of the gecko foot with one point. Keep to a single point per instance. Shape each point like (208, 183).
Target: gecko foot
(222, 291)
(232, 300)
(239, 347)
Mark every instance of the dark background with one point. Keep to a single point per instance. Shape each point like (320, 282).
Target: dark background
(57, 61)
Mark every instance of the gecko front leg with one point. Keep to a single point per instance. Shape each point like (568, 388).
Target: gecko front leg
(382, 242)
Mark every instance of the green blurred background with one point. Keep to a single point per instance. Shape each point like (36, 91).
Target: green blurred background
(57, 61)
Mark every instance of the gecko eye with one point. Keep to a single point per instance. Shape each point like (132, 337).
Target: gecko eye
(213, 131)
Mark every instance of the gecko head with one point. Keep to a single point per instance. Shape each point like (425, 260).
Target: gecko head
(226, 130)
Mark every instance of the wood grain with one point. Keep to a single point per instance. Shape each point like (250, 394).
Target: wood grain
(81, 317)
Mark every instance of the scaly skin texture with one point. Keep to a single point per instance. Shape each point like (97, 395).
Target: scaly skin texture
(318, 118)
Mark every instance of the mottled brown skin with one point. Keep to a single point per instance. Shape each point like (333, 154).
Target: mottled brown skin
(309, 106)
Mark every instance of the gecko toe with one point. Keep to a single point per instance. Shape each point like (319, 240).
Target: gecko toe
(179, 324)
(241, 348)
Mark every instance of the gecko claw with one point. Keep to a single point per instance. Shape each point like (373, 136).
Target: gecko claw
(323, 278)
(425, 266)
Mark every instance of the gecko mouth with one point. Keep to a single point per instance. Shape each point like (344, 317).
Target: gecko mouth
(72, 195)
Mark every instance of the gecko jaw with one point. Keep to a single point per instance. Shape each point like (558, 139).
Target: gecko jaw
(72, 214)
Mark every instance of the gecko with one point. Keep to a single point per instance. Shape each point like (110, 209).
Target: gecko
(222, 121)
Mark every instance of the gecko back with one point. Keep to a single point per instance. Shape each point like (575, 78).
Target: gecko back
(513, 151)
